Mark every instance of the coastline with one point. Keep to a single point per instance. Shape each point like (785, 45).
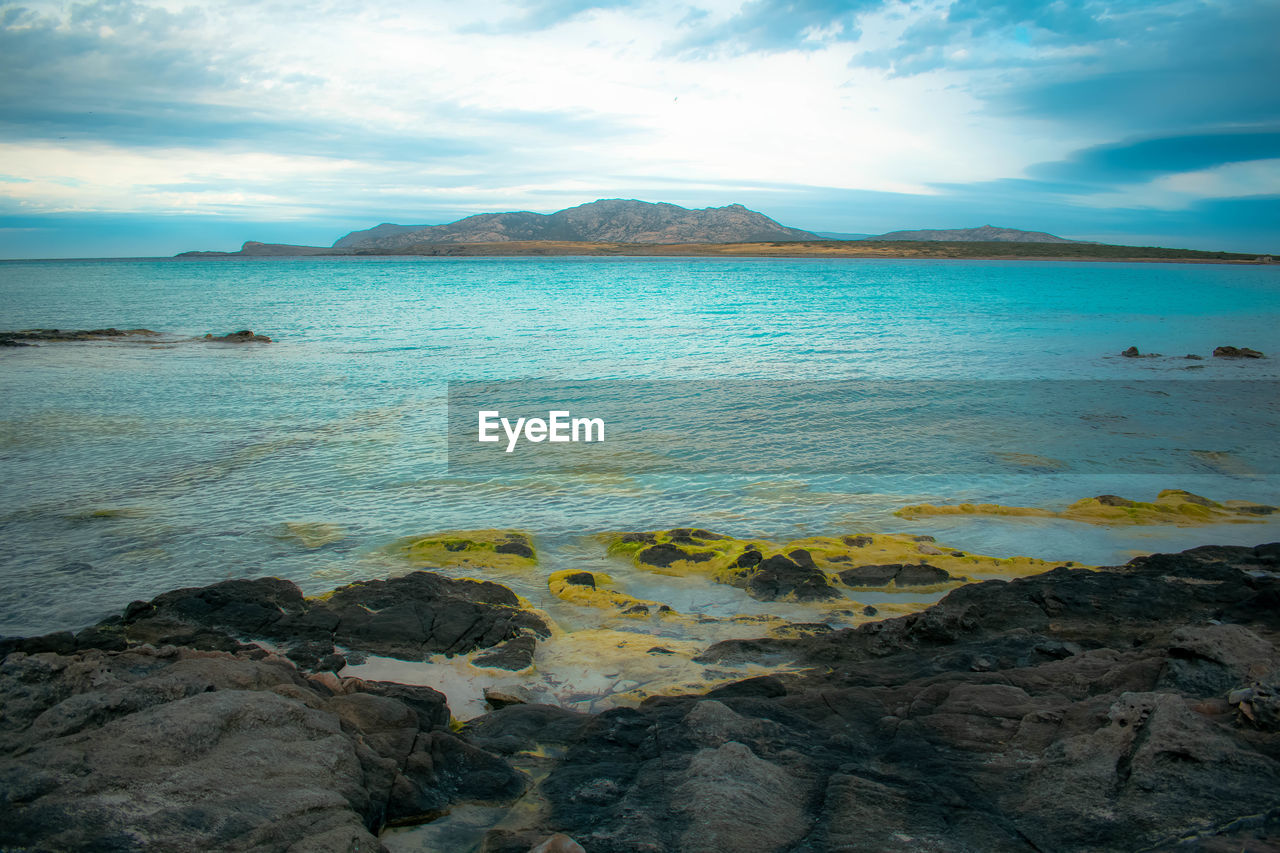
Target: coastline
(908, 250)
(1119, 708)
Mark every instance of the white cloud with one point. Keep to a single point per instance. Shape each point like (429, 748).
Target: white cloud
(1182, 190)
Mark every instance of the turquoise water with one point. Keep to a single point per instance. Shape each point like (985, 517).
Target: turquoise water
(198, 453)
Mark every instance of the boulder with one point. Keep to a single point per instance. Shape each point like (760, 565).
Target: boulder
(177, 749)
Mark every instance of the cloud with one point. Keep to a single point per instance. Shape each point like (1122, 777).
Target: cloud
(775, 25)
(1211, 65)
(844, 115)
(543, 14)
(1143, 159)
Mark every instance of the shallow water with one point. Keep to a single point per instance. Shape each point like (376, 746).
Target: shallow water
(130, 470)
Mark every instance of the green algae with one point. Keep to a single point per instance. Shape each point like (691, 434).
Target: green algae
(494, 549)
(1171, 506)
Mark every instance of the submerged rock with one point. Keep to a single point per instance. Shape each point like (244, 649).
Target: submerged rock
(1236, 352)
(244, 336)
(496, 549)
(56, 335)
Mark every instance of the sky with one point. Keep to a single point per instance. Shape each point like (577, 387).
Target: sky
(144, 128)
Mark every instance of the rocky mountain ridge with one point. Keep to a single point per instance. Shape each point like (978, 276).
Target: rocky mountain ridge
(983, 234)
(603, 220)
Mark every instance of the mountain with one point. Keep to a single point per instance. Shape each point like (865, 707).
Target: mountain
(985, 234)
(604, 221)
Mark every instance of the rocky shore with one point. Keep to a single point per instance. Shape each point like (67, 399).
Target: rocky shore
(1126, 708)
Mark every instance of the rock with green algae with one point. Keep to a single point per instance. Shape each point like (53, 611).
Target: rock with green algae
(760, 569)
(592, 589)
(809, 569)
(1171, 506)
(495, 549)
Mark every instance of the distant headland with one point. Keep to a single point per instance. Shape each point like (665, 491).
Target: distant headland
(628, 227)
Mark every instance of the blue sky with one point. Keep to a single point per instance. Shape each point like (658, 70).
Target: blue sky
(148, 128)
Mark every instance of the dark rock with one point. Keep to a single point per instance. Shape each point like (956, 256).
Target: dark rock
(1045, 713)
(408, 617)
(1113, 500)
(1193, 357)
(517, 547)
(871, 575)
(859, 541)
(1236, 352)
(646, 538)
(1132, 352)
(659, 650)
(868, 610)
(515, 727)
(430, 705)
(515, 654)
(315, 656)
(921, 574)
(581, 579)
(1076, 710)
(56, 335)
(10, 342)
(749, 558)
(764, 686)
(802, 558)
(443, 770)
(664, 554)
(244, 336)
(423, 613)
(187, 750)
(778, 577)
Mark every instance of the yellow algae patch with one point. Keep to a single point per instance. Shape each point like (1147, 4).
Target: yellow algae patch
(496, 549)
(310, 534)
(1171, 506)
(682, 551)
(921, 510)
(594, 669)
(836, 554)
(591, 589)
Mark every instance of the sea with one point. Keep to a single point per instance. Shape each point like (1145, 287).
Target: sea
(134, 467)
